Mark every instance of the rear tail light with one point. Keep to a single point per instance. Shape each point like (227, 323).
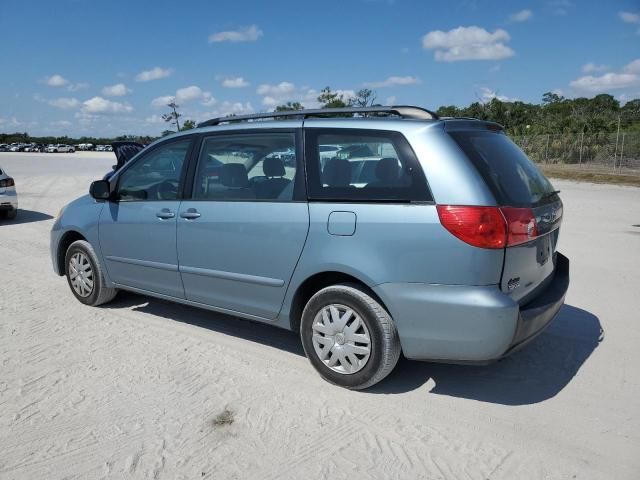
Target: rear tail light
(489, 227)
(7, 182)
(521, 225)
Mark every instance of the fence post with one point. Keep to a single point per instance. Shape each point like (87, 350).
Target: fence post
(546, 151)
(615, 153)
(621, 150)
(581, 142)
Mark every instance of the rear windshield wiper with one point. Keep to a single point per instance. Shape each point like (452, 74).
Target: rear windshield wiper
(549, 195)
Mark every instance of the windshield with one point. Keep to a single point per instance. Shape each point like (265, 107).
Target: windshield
(512, 177)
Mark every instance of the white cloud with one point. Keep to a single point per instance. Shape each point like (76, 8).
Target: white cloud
(283, 88)
(244, 34)
(64, 103)
(393, 81)
(468, 43)
(60, 123)
(629, 77)
(56, 81)
(486, 95)
(154, 119)
(227, 108)
(630, 17)
(74, 87)
(99, 105)
(162, 101)
(561, 7)
(117, 90)
(633, 67)
(185, 95)
(592, 67)
(521, 16)
(155, 73)
(274, 95)
(237, 82)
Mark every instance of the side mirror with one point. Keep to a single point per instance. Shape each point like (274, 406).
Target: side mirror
(100, 190)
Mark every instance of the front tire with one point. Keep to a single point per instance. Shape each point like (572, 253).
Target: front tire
(11, 214)
(84, 275)
(348, 337)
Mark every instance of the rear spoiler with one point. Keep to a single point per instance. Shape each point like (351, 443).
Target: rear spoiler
(124, 152)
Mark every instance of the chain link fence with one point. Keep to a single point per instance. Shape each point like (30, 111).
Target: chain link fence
(606, 151)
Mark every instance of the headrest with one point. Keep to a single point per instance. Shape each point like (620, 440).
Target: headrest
(337, 172)
(387, 169)
(273, 167)
(233, 175)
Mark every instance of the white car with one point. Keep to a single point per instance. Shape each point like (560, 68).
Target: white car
(8, 196)
(60, 148)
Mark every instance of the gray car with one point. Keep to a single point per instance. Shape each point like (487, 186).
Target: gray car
(431, 237)
(8, 196)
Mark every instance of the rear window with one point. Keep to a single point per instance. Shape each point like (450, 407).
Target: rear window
(511, 176)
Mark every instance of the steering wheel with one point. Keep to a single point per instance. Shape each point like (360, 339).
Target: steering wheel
(167, 190)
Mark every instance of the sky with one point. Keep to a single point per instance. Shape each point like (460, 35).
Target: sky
(104, 68)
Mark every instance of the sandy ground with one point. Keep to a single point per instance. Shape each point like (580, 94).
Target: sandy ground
(137, 389)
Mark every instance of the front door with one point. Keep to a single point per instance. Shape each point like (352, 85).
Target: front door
(243, 230)
(138, 230)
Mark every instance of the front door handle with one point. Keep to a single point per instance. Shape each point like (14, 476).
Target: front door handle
(190, 214)
(165, 214)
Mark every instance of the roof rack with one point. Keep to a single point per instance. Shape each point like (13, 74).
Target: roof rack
(403, 111)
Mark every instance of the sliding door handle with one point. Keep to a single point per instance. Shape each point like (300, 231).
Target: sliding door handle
(165, 214)
(190, 214)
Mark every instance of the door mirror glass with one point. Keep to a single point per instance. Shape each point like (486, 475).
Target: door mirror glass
(100, 190)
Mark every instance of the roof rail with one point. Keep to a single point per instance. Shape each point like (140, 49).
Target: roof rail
(403, 111)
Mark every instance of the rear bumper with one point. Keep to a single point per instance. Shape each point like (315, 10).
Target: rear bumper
(469, 324)
(537, 314)
(8, 200)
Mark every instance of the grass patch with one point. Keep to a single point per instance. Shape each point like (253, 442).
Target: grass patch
(224, 418)
(567, 172)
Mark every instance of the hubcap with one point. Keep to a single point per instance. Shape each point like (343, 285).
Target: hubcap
(341, 339)
(81, 274)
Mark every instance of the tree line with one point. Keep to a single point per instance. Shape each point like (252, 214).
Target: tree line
(555, 114)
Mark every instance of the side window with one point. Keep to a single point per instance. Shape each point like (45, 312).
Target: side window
(258, 166)
(362, 165)
(156, 175)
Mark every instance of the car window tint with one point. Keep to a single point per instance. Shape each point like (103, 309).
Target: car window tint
(156, 175)
(258, 166)
(364, 166)
(512, 177)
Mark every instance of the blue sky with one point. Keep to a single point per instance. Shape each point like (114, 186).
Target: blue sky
(106, 67)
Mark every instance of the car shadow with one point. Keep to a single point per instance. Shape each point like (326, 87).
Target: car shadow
(26, 216)
(262, 333)
(534, 374)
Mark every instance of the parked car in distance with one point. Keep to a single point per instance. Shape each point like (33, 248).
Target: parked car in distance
(432, 237)
(60, 148)
(4, 147)
(8, 196)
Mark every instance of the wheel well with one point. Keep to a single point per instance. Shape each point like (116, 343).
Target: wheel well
(63, 246)
(316, 283)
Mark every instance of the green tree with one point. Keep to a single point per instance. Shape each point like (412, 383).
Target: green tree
(364, 98)
(173, 117)
(188, 125)
(289, 106)
(331, 99)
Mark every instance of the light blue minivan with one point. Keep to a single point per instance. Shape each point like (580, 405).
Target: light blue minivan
(372, 231)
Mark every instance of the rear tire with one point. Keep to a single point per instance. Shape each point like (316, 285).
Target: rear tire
(84, 275)
(348, 337)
